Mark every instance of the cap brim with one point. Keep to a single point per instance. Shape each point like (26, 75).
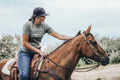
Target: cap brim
(44, 14)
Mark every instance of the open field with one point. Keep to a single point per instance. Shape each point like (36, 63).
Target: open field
(109, 72)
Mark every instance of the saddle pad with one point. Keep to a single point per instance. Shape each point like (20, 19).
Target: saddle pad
(5, 68)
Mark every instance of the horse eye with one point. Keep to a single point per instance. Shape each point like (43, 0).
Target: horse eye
(94, 42)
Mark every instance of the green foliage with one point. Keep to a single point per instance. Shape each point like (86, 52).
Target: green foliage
(112, 47)
(81, 63)
(115, 59)
(9, 46)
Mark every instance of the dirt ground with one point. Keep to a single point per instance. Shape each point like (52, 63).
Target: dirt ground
(109, 72)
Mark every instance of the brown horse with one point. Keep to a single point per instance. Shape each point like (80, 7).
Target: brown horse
(67, 56)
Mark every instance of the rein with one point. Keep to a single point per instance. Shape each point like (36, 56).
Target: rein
(75, 69)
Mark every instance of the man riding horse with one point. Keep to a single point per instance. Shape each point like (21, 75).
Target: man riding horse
(33, 32)
(60, 64)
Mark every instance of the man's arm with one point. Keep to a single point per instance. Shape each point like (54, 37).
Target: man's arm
(29, 46)
(59, 36)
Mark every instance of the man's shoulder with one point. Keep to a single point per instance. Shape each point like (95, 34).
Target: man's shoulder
(29, 23)
(44, 24)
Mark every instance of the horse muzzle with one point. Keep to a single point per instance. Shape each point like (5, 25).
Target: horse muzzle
(105, 61)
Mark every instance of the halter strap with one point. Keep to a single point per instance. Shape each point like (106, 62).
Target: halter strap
(92, 48)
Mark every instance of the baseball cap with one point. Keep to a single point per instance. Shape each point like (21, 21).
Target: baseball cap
(39, 11)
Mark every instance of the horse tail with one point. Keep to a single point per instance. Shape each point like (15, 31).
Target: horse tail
(2, 63)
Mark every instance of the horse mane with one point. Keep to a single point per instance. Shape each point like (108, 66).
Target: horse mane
(79, 33)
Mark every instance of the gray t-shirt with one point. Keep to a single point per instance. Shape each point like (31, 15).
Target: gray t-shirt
(35, 34)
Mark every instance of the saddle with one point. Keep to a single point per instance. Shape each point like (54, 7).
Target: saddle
(14, 72)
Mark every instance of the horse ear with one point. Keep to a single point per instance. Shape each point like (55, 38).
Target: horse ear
(88, 30)
(79, 32)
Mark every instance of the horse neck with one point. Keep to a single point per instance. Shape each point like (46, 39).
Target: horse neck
(68, 54)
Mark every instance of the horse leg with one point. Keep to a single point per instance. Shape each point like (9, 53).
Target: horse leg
(2, 63)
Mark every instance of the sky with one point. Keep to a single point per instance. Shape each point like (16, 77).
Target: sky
(66, 16)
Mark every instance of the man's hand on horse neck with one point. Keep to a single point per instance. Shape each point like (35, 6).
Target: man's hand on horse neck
(60, 36)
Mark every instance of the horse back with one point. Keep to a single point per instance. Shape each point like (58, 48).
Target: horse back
(2, 63)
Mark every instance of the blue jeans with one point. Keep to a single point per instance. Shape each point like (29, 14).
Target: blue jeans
(24, 60)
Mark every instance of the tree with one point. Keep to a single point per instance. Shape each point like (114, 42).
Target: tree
(9, 46)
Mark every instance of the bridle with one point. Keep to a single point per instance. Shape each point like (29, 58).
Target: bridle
(76, 69)
(92, 48)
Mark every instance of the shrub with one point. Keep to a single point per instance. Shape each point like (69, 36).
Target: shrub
(115, 60)
(9, 46)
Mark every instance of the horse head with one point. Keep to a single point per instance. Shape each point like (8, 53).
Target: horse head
(91, 49)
